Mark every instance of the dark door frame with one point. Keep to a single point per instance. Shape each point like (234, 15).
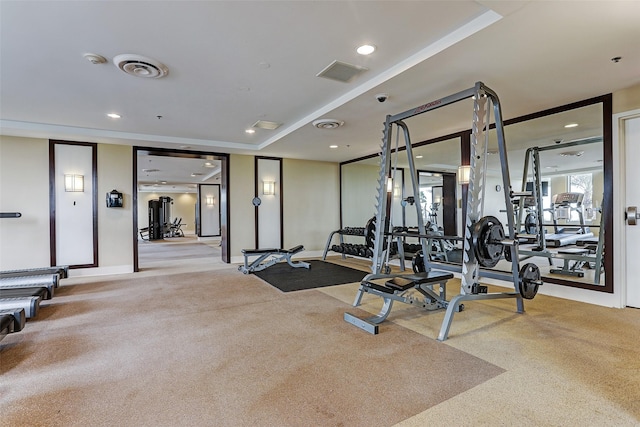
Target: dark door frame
(225, 213)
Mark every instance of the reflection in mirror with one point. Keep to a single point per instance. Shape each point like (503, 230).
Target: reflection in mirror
(559, 156)
(559, 159)
(436, 163)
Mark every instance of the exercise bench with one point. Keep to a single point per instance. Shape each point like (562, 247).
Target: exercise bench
(396, 288)
(276, 255)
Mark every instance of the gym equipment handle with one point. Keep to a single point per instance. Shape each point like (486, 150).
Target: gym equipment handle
(632, 215)
(10, 214)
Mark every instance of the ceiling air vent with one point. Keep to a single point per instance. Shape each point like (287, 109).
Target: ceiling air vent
(265, 124)
(328, 123)
(140, 66)
(341, 71)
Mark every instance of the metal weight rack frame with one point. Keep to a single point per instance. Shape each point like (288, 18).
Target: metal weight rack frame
(470, 268)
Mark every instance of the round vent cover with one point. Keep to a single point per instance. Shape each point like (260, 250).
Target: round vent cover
(140, 66)
(328, 123)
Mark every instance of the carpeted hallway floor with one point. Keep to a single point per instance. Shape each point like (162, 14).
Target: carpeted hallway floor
(198, 343)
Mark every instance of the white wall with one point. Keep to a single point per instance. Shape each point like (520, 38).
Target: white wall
(209, 212)
(74, 235)
(269, 212)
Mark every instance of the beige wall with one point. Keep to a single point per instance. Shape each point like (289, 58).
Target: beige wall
(627, 99)
(359, 193)
(242, 217)
(24, 188)
(311, 202)
(24, 242)
(115, 227)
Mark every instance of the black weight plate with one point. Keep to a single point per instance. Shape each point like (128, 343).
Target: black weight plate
(531, 224)
(507, 253)
(370, 232)
(487, 236)
(529, 280)
(418, 263)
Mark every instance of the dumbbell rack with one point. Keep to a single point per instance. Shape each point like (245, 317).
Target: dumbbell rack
(347, 231)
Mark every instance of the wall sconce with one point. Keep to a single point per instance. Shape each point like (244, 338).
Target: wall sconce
(268, 188)
(210, 200)
(464, 173)
(74, 183)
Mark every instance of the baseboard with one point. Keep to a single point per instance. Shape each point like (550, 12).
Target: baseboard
(101, 271)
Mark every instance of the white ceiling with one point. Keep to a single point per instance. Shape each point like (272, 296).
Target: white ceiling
(232, 63)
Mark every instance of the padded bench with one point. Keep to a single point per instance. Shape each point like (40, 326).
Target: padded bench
(262, 260)
(394, 289)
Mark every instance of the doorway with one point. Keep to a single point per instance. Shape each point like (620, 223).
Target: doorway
(172, 178)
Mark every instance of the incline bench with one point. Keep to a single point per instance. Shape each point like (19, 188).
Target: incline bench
(276, 255)
(395, 289)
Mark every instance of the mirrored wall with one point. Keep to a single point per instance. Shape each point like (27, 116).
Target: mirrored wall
(561, 156)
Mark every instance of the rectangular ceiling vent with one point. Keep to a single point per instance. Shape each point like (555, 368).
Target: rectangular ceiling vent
(265, 124)
(341, 71)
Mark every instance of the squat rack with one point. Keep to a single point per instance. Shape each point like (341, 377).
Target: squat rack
(470, 269)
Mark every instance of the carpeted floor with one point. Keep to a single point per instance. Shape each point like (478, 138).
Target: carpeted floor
(220, 349)
(195, 342)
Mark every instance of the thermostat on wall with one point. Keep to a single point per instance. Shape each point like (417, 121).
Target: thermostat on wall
(114, 199)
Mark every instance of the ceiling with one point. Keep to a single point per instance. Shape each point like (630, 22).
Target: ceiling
(232, 63)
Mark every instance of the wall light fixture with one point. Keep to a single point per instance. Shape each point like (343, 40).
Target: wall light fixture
(74, 183)
(464, 172)
(268, 188)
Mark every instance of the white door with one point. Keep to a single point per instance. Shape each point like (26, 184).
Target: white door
(632, 232)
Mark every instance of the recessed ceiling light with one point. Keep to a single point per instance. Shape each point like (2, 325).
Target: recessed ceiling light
(250, 131)
(163, 182)
(196, 174)
(419, 156)
(114, 115)
(366, 49)
(571, 125)
(333, 146)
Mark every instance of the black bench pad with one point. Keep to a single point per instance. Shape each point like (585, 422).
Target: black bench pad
(293, 250)
(402, 283)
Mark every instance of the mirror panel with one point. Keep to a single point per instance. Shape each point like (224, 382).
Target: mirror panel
(571, 167)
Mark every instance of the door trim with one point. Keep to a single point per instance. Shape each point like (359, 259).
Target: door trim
(620, 202)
